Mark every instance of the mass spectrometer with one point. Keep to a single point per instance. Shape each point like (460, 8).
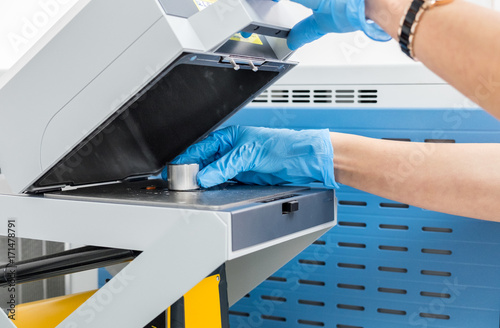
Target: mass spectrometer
(111, 94)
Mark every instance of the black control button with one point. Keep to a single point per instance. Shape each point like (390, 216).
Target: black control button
(291, 206)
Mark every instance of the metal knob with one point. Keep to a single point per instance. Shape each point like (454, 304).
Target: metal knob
(182, 177)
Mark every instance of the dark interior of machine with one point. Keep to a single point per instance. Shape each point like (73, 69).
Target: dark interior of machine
(183, 104)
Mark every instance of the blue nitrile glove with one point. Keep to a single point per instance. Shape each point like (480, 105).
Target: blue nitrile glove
(338, 16)
(262, 156)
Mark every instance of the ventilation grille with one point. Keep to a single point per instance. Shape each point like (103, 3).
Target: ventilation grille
(326, 97)
(336, 278)
(37, 290)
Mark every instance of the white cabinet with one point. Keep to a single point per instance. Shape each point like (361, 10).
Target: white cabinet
(23, 23)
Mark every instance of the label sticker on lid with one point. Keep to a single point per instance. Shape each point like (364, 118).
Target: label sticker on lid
(202, 4)
(254, 38)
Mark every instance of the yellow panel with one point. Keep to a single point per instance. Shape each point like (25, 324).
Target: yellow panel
(202, 304)
(251, 39)
(168, 318)
(49, 313)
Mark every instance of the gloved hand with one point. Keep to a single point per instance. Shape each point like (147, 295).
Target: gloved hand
(338, 16)
(262, 156)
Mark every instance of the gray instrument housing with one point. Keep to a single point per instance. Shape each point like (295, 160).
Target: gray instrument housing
(257, 212)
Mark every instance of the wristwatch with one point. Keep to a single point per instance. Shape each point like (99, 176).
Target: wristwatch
(409, 22)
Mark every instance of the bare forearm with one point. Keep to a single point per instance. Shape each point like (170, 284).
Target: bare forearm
(460, 179)
(458, 41)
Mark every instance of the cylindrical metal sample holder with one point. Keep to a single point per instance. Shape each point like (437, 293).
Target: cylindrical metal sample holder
(182, 177)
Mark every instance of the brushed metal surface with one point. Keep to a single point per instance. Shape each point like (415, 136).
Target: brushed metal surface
(182, 177)
(156, 193)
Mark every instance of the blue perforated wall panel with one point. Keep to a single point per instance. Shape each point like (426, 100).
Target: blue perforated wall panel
(385, 264)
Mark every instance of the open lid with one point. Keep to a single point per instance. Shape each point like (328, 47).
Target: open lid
(185, 102)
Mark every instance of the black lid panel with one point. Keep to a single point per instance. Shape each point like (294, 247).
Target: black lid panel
(184, 103)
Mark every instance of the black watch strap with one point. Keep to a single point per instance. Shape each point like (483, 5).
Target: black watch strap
(406, 32)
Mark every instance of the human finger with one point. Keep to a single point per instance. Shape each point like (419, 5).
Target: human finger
(304, 32)
(238, 160)
(208, 150)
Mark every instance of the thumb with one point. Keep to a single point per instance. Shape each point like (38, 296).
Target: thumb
(304, 32)
(238, 160)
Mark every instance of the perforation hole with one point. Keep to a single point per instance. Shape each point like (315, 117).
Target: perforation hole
(322, 96)
(247, 296)
(352, 224)
(393, 248)
(262, 98)
(313, 303)
(391, 311)
(392, 269)
(436, 273)
(347, 326)
(393, 226)
(351, 245)
(436, 251)
(367, 96)
(279, 96)
(439, 295)
(437, 229)
(301, 96)
(319, 242)
(344, 96)
(273, 318)
(311, 323)
(440, 140)
(278, 279)
(350, 307)
(398, 139)
(312, 262)
(349, 286)
(239, 314)
(273, 298)
(394, 205)
(311, 282)
(351, 266)
(392, 290)
(435, 316)
(351, 203)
